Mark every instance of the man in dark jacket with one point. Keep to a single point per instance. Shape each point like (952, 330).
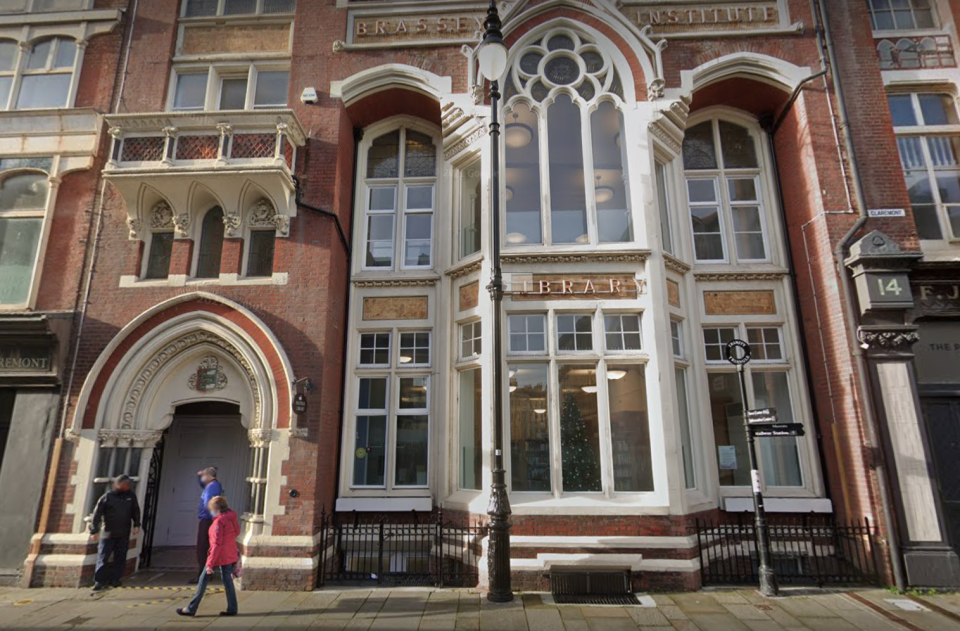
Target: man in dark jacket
(116, 511)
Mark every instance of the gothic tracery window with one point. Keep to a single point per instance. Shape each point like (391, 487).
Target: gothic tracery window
(564, 98)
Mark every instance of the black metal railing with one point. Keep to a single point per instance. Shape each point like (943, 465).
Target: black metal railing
(410, 549)
(807, 550)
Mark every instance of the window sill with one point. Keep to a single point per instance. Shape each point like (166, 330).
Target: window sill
(225, 280)
(649, 503)
(779, 504)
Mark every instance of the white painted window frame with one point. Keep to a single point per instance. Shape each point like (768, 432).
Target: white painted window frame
(20, 70)
(216, 73)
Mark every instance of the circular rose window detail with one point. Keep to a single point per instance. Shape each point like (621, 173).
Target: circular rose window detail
(562, 71)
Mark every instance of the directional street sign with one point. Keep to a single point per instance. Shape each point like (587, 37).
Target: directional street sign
(764, 416)
(778, 430)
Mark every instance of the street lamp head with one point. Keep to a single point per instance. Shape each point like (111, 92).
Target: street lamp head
(492, 53)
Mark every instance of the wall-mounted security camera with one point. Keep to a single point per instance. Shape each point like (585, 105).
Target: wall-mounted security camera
(309, 96)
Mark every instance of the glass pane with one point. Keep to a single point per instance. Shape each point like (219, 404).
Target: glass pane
(529, 428)
(699, 151)
(523, 198)
(527, 333)
(19, 239)
(415, 348)
(420, 159)
(471, 430)
(739, 150)
(383, 159)
(24, 192)
(233, 94)
(5, 84)
(279, 6)
(470, 209)
(686, 440)
(411, 451)
(562, 71)
(419, 240)
(742, 190)
(944, 150)
(953, 216)
(707, 239)
(373, 394)
(383, 198)
(700, 191)
(369, 455)
(8, 55)
(191, 92)
(665, 227)
(574, 333)
(728, 429)
(380, 241)
(419, 197)
(629, 430)
(196, 8)
(211, 244)
(901, 110)
(271, 88)
(749, 232)
(413, 393)
(949, 186)
(375, 349)
(927, 218)
(239, 7)
(938, 109)
(781, 459)
(580, 430)
(44, 90)
(66, 53)
(161, 247)
(911, 153)
(104, 462)
(568, 204)
(260, 255)
(610, 192)
(38, 57)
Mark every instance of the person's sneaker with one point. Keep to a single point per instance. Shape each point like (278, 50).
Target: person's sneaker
(184, 612)
(116, 584)
(228, 613)
(99, 587)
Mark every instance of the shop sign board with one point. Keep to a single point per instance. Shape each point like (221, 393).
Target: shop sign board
(25, 358)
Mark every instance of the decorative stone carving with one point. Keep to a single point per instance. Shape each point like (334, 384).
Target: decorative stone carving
(181, 224)
(476, 92)
(161, 217)
(299, 432)
(209, 376)
(339, 45)
(585, 257)
(262, 215)
(896, 340)
(473, 137)
(130, 411)
(675, 265)
(465, 270)
(128, 438)
(740, 276)
(655, 89)
(282, 223)
(231, 224)
(134, 225)
(260, 438)
(412, 282)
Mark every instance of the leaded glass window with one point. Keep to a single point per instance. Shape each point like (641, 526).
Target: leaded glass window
(564, 103)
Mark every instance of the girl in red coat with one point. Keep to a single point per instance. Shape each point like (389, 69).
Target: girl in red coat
(223, 557)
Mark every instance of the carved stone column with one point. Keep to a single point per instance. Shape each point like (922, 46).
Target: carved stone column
(887, 335)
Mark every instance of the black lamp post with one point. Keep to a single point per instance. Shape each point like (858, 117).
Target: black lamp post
(492, 56)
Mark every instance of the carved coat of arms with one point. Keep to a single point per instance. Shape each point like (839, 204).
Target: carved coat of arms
(208, 377)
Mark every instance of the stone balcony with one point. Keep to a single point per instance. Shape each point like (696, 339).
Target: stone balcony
(191, 160)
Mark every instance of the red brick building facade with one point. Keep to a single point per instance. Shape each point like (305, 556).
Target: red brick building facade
(295, 203)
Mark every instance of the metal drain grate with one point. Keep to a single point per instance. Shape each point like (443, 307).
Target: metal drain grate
(592, 587)
(585, 599)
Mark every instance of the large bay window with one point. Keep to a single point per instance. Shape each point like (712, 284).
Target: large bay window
(401, 179)
(41, 76)
(724, 187)
(392, 411)
(928, 135)
(574, 404)
(768, 386)
(564, 99)
(23, 202)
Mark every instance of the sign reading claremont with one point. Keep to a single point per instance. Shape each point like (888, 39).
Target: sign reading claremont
(24, 359)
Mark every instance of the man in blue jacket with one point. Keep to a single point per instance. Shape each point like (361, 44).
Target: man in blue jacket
(116, 511)
(211, 489)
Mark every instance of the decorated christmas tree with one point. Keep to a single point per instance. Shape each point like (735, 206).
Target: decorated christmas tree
(581, 468)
